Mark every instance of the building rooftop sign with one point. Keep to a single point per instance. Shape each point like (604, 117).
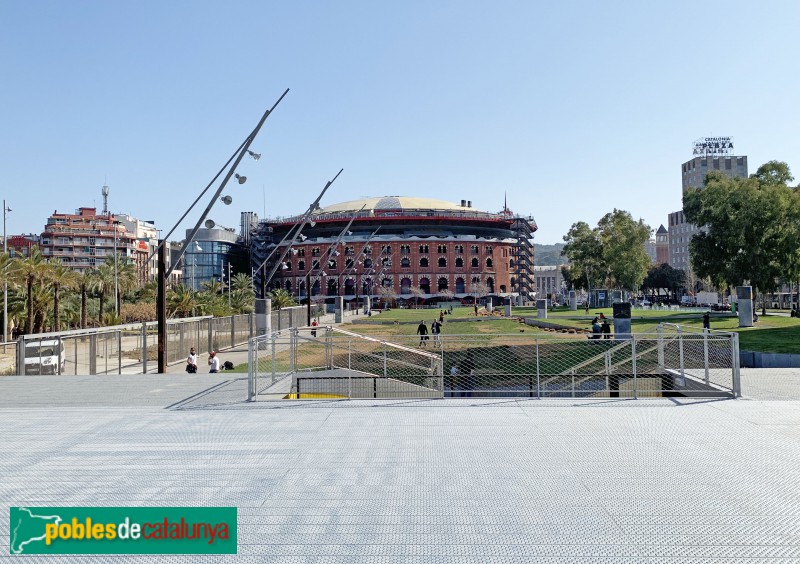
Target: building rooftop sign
(713, 146)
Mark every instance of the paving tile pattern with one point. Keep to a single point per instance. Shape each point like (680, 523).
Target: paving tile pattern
(445, 481)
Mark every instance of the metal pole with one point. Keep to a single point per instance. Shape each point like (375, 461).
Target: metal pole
(5, 282)
(228, 176)
(116, 282)
(161, 309)
(308, 299)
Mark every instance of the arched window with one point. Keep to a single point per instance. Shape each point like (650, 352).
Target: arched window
(289, 286)
(474, 263)
(441, 249)
(301, 265)
(459, 262)
(332, 287)
(301, 288)
(423, 248)
(367, 263)
(442, 262)
(387, 283)
(443, 284)
(490, 285)
(349, 287)
(502, 288)
(315, 288)
(332, 264)
(460, 285)
(366, 287)
(425, 285)
(315, 252)
(405, 286)
(386, 261)
(349, 263)
(423, 262)
(489, 263)
(405, 262)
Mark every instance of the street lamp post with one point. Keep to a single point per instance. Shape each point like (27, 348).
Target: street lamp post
(116, 280)
(6, 209)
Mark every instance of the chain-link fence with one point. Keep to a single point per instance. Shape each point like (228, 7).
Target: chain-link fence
(328, 362)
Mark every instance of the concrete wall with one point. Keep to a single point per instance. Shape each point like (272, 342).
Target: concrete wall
(752, 359)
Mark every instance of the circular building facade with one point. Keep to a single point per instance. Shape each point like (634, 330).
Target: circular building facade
(396, 248)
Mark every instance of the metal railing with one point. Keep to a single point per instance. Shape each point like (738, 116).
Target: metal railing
(127, 349)
(671, 361)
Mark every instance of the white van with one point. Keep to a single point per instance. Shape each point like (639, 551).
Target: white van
(45, 357)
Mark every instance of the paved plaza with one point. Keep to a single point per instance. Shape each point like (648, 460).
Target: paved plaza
(455, 480)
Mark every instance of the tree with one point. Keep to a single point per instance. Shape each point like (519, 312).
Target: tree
(102, 282)
(281, 299)
(664, 277)
(59, 276)
(773, 173)
(612, 253)
(749, 230)
(585, 253)
(181, 301)
(83, 282)
(418, 293)
(27, 272)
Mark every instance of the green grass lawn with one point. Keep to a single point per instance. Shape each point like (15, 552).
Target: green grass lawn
(772, 333)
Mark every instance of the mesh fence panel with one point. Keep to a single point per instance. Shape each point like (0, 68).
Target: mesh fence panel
(336, 363)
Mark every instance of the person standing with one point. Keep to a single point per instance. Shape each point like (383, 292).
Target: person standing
(441, 316)
(422, 331)
(213, 362)
(476, 309)
(606, 329)
(191, 362)
(706, 322)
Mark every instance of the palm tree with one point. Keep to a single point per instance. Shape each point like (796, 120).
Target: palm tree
(127, 279)
(59, 276)
(242, 281)
(29, 271)
(83, 282)
(102, 281)
(281, 299)
(181, 301)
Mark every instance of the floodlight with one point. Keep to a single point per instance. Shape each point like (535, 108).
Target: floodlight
(226, 200)
(255, 156)
(240, 179)
(209, 224)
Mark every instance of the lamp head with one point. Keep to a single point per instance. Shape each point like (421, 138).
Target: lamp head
(226, 200)
(240, 179)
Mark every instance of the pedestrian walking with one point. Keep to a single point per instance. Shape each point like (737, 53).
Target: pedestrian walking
(436, 331)
(441, 316)
(422, 331)
(314, 325)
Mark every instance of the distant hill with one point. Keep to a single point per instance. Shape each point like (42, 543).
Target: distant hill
(549, 255)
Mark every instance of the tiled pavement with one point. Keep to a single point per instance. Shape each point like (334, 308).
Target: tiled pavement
(457, 480)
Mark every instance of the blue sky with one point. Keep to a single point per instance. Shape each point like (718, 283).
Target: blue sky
(571, 108)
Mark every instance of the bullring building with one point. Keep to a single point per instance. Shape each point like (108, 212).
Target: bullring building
(397, 247)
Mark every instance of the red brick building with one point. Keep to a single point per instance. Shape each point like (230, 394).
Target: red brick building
(409, 248)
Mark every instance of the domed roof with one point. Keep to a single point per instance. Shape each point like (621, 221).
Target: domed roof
(394, 203)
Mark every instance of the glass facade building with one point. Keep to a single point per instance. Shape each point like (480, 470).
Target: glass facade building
(207, 258)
